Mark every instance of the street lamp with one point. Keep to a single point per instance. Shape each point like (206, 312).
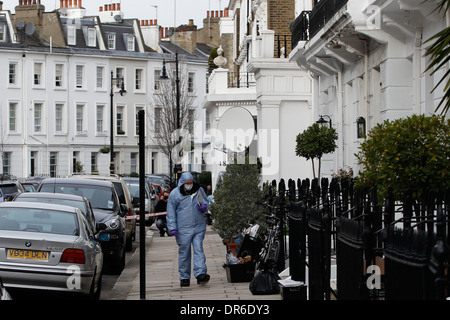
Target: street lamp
(177, 87)
(122, 92)
(322, 121)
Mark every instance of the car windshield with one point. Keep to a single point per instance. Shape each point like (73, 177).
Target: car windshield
(38, 220)
(72, 203)
(134, 190)
(9, 188)
(99, 197)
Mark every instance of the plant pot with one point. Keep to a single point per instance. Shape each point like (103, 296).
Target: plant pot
(232, 247)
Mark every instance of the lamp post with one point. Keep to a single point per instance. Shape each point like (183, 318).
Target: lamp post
(122, 91)
(322, 121)
(177, 87)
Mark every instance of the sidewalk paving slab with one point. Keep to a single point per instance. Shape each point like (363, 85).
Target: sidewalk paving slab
(161, 274)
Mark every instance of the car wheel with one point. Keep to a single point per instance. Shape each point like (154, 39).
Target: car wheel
(129, 242)
(120, 264)
(95, 294)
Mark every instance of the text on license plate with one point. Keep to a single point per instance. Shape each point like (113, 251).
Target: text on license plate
(27, 254)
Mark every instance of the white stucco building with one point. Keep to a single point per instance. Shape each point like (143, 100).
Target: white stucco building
(57, 70)
(367, 60)
(276, 93)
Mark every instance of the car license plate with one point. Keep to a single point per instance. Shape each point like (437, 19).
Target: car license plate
(104, 236)
(27, 254)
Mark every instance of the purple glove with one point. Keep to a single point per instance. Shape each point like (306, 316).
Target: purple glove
(203, 207)
(173, 232)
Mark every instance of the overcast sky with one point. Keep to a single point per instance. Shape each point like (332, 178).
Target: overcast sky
(143, 10)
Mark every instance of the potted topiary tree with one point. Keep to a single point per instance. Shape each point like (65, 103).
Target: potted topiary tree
(314, 142)
(233, 208)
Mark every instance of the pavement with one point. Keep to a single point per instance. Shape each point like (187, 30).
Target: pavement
(162, 279)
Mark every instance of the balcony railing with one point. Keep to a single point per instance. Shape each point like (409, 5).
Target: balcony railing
(300, 28)
(322, 12)
(308, 23)
(241, 80)
(283, 41)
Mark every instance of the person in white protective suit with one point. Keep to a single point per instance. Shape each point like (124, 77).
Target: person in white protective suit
(185, 220)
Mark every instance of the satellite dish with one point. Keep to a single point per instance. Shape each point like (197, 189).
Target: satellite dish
(118, 18)
(169, 32)
(20, 25)
(30, 28)
(237, 128)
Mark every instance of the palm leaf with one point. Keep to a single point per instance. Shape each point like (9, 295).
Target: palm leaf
(439, 53)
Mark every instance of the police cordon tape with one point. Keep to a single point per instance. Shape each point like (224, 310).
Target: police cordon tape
(146, 215)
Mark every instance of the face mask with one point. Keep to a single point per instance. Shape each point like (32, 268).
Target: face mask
(188, 187)
(166, 197)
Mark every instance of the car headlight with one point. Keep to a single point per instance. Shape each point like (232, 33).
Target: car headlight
(112, 224)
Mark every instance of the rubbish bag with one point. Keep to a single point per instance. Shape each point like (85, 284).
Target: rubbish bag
(265, 282)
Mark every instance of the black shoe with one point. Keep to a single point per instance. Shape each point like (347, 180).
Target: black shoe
(203, 278)
(185, 282)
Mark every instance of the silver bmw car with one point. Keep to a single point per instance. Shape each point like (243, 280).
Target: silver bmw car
(49, 247)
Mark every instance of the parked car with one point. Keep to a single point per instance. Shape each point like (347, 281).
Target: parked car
(43, 245)
(157, 179)
(158, 191)
(4, 295)
(61, 198)
(134, 187)
(29, 186)
(124, 198)
(107, 209)
(10, 189)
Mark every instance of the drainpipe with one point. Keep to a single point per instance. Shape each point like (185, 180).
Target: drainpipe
(340, 114)
(417, 70)
(366, 83)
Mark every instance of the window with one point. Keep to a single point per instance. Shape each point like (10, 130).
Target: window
(100, 76)
(130, 43)
(71, 35)
(191, 118)
(111, 41)
(138, 85)
(94, 165)
(53, 163)
(100, 111)
(7, 163)
(158, 113)
(37, 73)
(80, 118)
(119, 75)
(191, 78)
(12, 116)
(157, 75)
(12, 73)
(2, 33)
(92, 38)
(137, 118)
(38, 117)
(80, 76)
(133, 162)
(59, 75)
(119, 120)
(59, 117)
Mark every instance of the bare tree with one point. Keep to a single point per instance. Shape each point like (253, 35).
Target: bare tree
(162, 116)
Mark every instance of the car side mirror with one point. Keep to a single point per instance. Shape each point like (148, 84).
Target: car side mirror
(135, 201)
(100, 226)
(123, 210)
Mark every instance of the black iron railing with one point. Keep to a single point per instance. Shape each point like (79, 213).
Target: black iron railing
(308, 23)
(241, 79)
(300, 28)
(323, 11)
(283, 45)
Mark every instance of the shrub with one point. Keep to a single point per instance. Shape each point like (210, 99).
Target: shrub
(411, 154)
